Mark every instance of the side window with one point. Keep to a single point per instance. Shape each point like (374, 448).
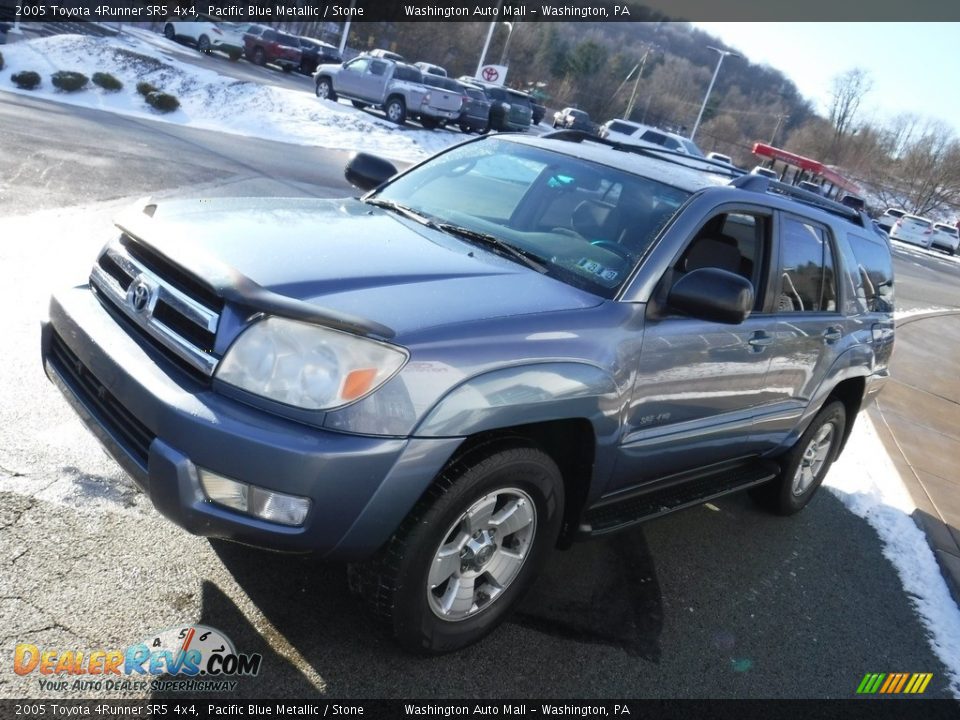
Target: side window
(807, 279)
(358, 66)
(737, 242)
(270, 36)
(873, 274)
(378, 67)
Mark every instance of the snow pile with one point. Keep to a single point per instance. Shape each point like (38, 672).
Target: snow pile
(868, 484)
(210, 100)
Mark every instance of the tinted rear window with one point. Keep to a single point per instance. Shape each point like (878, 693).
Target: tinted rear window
(620, 127)
(476, 94)
(519, 99)
(873, 276)
(917, 220)
(408, 73)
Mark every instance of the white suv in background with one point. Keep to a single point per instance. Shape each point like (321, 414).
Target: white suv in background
(207, 36)
(631, 133)
(889, 217)
(946, 237)
(913, 229)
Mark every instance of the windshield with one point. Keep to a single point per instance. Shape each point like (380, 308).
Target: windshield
(586, 224)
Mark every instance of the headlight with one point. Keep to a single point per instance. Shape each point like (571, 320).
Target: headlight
(307, 366)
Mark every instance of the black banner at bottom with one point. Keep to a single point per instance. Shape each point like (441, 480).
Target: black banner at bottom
(875, 709)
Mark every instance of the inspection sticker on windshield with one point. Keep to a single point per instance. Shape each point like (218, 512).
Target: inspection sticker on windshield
(592, 266)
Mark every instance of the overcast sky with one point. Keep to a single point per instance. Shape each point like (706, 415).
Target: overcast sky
(915, 67)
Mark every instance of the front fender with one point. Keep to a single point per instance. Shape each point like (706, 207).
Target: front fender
(525, 394)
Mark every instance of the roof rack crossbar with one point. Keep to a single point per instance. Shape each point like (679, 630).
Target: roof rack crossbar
(658, 153)
(761, 184)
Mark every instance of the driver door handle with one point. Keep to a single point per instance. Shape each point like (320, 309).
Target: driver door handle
(760, 339)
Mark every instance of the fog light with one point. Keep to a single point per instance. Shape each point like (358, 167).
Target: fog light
(252, 500)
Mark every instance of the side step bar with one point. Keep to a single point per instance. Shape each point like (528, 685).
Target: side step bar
(624, 510)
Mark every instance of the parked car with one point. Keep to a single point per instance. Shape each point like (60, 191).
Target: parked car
(448, 89)
(207, 36)
(515, 344)
(394, 87)
(765, 172)
(386, 55)
(631, 133)
(889, 217)
(265, 46)
(913, 229)
(945, 237)
(430, 69)
(573, 119)
(475, 111)
(720, 157)
(510, 110)
(316, 52)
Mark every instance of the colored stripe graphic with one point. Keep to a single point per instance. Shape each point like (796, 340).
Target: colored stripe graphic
(894, 683)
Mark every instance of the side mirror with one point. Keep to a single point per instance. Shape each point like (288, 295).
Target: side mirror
(713, 294)
(367, 171)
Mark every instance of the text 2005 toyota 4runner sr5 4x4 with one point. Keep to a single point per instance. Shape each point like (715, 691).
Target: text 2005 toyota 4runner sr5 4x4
(518, 342)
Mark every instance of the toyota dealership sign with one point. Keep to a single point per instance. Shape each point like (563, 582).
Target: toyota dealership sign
(493, 74)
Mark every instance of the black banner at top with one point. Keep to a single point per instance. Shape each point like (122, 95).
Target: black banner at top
(480, 10)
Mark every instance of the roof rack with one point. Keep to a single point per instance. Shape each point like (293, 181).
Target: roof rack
(658, 153)
(762, 184)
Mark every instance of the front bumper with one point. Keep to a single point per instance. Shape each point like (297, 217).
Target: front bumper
(161, 425)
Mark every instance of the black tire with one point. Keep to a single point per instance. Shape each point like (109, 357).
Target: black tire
(324, 89)
(429, 123)
(259, 57)
(396, 110)
(359, 105)
(465, 128)
(396, 582)
(168, 32)
(287, 68)
(203, 44)
(234, 56)
(797, 483)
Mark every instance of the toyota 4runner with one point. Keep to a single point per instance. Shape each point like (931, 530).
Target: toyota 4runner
(514, 344)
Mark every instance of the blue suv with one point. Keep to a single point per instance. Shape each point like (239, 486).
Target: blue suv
(514, 344)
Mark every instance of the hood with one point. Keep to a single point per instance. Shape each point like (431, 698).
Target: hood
(347, 258)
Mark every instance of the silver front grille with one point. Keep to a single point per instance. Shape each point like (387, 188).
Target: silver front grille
(155, 296)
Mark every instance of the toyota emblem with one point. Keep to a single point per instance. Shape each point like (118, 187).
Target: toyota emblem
(139, 295)
(490, 74)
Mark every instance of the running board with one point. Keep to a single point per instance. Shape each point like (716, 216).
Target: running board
(625, 510)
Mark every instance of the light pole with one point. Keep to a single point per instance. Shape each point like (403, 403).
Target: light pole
(506, 44)
(723, 54)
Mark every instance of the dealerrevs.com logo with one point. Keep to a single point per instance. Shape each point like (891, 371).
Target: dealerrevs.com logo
(188, 658)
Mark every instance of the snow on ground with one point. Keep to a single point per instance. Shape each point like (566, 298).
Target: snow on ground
(912, 312)
(868, 484)
(208, 99)
(903, 248)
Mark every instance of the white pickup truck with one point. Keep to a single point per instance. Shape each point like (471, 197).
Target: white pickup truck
(394, 87)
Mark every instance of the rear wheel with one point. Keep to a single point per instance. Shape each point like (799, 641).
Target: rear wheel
(259, 57)
(467, 551)
(465, 128)
(203, 44)
(806, 464)
(429, 123)
(396, 110)
(168, 32)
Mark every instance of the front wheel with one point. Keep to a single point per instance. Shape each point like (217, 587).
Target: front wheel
(203, 44)
(806, 464)
(325, 89)
(168, 32)
(467, 551)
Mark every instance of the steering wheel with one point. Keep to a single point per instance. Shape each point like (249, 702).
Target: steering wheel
(615, 248)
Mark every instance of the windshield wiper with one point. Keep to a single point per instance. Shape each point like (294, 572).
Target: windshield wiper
(498, 245)
(409, 213)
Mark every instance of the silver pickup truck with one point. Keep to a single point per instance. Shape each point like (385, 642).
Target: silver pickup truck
(394, 87)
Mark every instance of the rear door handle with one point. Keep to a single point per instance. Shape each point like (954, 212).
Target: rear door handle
(760, 339)
(832, 334)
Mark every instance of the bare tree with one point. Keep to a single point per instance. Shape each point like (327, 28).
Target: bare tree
(848, 91)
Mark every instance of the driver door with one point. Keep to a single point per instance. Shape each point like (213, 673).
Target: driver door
(700, 383)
